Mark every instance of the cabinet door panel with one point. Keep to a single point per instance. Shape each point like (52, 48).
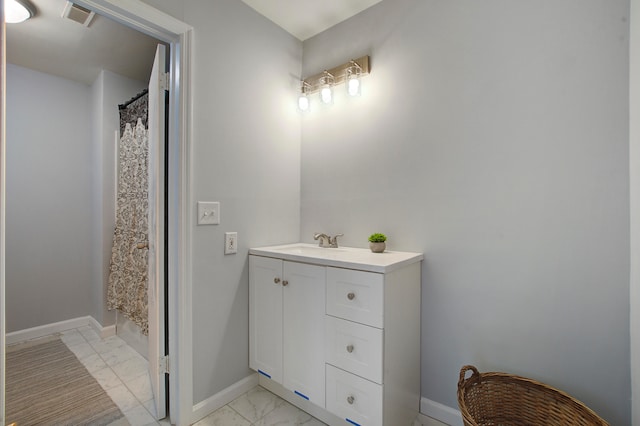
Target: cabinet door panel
(265, 316)
(304, 310)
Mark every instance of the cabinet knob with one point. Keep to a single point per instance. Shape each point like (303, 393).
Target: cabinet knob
(350, 348)
(285, 283)
(276, 280)
(351, 400)
(351, 296)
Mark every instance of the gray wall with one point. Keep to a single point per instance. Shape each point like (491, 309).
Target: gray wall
(493, 137)
(501, 128)
(49, 212)
(246, 154)
(60, 195)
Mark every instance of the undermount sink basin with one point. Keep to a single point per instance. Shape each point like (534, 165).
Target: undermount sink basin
(305, 249)
(343, 257)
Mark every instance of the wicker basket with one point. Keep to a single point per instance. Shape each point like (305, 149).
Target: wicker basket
(504, 399)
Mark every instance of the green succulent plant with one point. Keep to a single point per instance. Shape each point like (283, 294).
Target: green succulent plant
(377, 238)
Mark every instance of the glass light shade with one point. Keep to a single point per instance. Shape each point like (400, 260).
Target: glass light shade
(326, 94)
(303, 102)
(15, 12)
(353, 85)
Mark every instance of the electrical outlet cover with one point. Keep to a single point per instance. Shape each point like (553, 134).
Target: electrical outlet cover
(230, 242)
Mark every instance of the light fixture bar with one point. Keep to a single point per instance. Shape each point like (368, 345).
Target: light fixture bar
(339, 74)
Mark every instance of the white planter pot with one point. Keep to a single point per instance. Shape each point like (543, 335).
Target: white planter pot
(377, 247)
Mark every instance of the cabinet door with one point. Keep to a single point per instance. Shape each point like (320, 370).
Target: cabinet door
(304, 311)
(265, 316)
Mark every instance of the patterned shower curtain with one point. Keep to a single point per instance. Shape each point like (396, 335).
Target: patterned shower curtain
(128, 280)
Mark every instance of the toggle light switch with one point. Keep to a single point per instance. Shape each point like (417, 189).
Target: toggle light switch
(208, 212)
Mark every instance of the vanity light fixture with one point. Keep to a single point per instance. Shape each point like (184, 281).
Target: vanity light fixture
(326, 88)
(16, 11)
(349, 73)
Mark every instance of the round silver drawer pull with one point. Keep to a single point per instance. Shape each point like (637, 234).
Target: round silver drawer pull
(276, 280)
(285, 283)
(350, 348)
(350, 400)
(351, 296)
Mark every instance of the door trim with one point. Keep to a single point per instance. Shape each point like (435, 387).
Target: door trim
(3, 73)
(149, 20)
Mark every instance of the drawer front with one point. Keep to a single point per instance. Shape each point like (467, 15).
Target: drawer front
(353, 398)
(354, 347)
(356, 296)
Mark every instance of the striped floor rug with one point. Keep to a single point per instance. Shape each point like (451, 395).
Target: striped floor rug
(47, 385)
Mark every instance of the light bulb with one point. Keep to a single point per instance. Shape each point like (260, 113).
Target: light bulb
(15, 12)
(353, 86)
(303, 102)
(326, 94)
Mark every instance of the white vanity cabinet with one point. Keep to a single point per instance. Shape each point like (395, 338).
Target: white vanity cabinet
(286, 329)
(350, 329)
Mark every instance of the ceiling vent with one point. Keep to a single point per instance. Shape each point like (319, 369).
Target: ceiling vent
(78, 14)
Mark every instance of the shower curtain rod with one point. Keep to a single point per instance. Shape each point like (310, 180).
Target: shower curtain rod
(135, 98)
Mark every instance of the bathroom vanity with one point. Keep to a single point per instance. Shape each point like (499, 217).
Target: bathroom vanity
(336, 331)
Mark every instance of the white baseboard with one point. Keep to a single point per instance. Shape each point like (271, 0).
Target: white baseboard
(58, 327)
(431, 413)
(103, 332)
(222, 398)
(440, 412)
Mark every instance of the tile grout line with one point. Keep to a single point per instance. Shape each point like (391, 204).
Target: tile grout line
(140, 403)
(238, 413)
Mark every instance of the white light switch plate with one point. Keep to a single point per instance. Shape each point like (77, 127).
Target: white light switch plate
(208, 213)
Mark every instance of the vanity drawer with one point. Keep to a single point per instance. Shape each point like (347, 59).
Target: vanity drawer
(356, 296)
(353, 398)
(354, 347)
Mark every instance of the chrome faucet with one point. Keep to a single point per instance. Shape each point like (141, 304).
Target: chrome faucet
(327, 241)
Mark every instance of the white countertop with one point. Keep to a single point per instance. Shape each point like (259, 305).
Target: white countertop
(341, 257)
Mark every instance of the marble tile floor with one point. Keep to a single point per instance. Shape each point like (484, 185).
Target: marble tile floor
(123, 373)
(259, 407)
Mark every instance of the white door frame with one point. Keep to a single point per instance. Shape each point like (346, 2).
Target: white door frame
(3, 73)
(634, 186)
(147, 19)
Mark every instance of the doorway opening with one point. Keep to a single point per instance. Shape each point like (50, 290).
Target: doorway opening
(177, 35)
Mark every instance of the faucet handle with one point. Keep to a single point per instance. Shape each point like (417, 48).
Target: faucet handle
(333, 241)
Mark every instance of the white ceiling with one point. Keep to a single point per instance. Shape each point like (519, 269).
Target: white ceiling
(59, 46)
(306, 18)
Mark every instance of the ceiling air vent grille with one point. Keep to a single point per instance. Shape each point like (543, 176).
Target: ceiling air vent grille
(78, 14)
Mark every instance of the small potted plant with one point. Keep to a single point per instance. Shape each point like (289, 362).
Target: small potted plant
(377, 242)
